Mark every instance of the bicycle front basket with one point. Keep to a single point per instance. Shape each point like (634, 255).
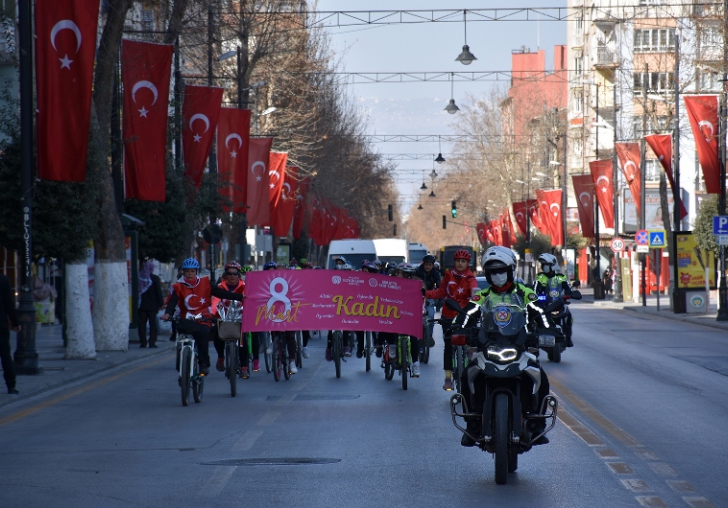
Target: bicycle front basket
(229, 330)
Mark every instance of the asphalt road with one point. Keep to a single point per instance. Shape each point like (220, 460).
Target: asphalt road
(642, 423)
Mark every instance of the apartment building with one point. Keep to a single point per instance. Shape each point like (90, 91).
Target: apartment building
(621, 85)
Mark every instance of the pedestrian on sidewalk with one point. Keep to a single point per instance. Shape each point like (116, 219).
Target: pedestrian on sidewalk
(8, 321)
(150, 302)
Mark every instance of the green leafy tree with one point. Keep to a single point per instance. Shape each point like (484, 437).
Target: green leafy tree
(703, 227)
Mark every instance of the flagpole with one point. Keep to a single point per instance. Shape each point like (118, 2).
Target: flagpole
(597, 282)
(678, 297)
(26, 356)
(723, 290)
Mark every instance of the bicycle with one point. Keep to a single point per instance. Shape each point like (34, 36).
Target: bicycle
(268, 345)
(229, 329)
(459, 358)
(337, 350)
(368, 349)
(402, 363)
(279, 357)
(299, 347)
(188, 364)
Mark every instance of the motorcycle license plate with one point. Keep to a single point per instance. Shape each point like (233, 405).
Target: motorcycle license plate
(546, 340)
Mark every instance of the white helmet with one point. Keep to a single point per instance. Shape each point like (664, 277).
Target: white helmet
(548, 262)
(498, 257)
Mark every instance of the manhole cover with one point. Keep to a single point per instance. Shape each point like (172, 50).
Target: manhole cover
(297, 461)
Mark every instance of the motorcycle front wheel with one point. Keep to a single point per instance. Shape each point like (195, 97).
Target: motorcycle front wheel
(500, 438)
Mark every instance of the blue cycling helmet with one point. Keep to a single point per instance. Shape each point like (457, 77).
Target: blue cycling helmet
(270, 265)
(190, 263)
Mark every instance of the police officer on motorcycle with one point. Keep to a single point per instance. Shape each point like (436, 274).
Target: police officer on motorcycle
(499, 266)
(554, 285)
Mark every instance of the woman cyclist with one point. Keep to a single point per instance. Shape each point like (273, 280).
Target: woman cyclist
(232, 281)
(289, 336)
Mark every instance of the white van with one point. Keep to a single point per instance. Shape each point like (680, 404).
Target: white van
(416, 252)
(392, 250)
(354, 251)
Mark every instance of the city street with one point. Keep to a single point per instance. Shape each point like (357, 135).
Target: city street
(643, 404)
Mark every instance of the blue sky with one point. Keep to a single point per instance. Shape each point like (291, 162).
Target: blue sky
(417, 108)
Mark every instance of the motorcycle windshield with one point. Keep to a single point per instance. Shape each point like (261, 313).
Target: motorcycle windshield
(507, 320)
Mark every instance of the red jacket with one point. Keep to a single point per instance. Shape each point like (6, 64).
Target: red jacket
(194, 299)
(240, 289)
(455, 285)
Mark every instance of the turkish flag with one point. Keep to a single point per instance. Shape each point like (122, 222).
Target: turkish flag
(703, 115)
(314, 230)
(258, 181)
(233, 144)
(532, 208)
(520, 211)
(482, 237)
(281, 215)
(661, 144)
(495, 229)
(66, 46)
(551, 214)
(302, 211)
(146, 70)
(201, 111)
(276, 176)
(584, 192)
(602, 174)
(629, 158)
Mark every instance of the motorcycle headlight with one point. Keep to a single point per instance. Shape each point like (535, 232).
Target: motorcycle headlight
(502, 355)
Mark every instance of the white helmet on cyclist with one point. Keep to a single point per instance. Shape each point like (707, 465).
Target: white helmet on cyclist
(548, 262)
(499, 264)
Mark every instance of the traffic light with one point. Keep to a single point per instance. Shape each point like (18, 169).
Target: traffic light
(390, 213)
(444, 222)
(454, 210)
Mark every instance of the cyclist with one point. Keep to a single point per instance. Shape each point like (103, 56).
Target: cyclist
(232, 281)
(426, 271)
(460, 285)
(499, 265)
(366, 267)
(288, 336)
(341, 264)
(192, 295)
(554, 285)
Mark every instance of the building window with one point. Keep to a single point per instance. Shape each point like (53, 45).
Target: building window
(653, 82)
(708, 81)
(652, 170)
(653, 125)
(579, 102)
(654, 40)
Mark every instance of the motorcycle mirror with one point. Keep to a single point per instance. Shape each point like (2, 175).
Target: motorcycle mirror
(576, 295)
(453, 305)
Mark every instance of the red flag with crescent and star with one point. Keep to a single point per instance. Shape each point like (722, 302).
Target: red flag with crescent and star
(65, 50)
(233, 143)
(200, 112)
(481, 227)
(146, 71)
(520, 211)
(276, 178)
(549, 202)
(703, 114)
(281, 215)
(661, 144)
(532, 208)
(584, 192)
(602, 174)
(629, 159)
(302, 210)
(258, 181)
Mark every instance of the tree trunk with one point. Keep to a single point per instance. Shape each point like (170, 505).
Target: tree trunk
(79, 328)
(111, 307)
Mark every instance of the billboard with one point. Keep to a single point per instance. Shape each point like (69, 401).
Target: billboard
(692, 262)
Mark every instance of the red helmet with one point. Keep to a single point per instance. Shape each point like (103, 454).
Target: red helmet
(462, 254)
(234, 265)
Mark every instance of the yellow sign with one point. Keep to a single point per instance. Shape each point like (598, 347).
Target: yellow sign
(692, 262)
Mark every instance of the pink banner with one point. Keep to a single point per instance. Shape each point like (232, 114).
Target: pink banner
(278, 300)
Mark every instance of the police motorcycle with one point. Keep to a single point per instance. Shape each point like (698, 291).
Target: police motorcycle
(505, 371)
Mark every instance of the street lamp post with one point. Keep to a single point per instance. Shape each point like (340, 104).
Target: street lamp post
(598, 286)
(723, 290)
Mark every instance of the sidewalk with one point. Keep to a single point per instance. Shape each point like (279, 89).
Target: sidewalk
(707, 319)
(59, 372)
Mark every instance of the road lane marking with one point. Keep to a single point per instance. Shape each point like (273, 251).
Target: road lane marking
(34, 409)
(662, 469)
(698, 502)
(651, 502)
(247, 440)
(219, 479)
(619, 467)
(680, 486)
(580, 430)
(268, 418)
(284, 400)
(637, 485)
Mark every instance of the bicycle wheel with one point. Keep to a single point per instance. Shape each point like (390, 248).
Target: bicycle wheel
(268, 357)
(337, 350)
(299, 345)
(179, 352)
(198, 381)
(231, 357)
(368, 350)
(388, 364)
(425, 352)
(184, 375)
(458, 353)
(283, 344)
(275, 360)
(404, 359)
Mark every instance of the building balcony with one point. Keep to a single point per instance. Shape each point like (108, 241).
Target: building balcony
(606, 59)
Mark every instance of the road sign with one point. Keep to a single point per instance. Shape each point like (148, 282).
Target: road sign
(617, 245)
(720, 224)
(643, 248)
(721, 239)
(642, 237)
(657, 239)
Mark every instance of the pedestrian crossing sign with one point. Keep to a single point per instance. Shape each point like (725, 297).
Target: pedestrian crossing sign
(657, 239)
